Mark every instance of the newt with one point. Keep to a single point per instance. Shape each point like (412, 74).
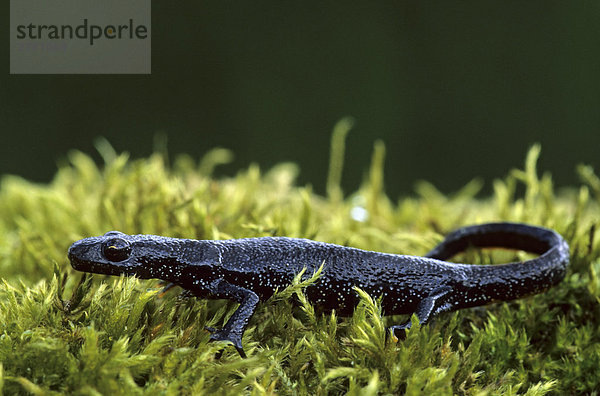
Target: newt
(251, 270)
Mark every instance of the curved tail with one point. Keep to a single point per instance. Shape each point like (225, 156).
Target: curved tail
(513, 280)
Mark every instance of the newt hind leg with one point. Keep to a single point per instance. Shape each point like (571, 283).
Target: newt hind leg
(437, 302)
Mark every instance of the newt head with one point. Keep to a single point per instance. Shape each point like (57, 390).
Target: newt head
(113, 253)
(145, 256)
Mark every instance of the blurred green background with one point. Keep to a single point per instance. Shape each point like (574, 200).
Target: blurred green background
(454, 89)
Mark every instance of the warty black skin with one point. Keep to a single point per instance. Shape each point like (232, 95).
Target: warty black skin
(250, 270)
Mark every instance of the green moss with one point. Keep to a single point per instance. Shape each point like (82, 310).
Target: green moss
(64, 332)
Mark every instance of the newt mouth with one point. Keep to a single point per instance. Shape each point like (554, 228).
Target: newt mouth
(76, 253)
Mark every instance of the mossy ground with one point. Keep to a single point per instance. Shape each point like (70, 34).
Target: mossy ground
(63, 332)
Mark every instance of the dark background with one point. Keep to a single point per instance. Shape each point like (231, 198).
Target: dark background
(455, 90)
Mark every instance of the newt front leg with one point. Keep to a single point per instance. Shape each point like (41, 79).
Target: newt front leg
(236, 325)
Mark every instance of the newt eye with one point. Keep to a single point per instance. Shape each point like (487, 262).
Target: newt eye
(116, 249)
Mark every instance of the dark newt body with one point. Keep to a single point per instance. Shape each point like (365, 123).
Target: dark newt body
(250, 270)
